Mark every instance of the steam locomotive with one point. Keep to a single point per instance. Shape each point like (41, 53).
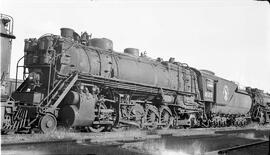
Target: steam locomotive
(80, 82)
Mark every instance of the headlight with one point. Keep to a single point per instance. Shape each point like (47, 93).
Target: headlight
(31, 77)
(34, 77)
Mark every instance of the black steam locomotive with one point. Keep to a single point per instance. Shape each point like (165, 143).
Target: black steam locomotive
(77, 81)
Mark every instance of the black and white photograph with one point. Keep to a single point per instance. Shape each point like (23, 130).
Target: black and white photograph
(135, 77)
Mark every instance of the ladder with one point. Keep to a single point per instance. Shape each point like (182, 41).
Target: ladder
(60, 90)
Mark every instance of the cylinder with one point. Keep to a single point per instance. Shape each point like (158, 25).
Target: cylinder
(67, 33)
(72, 98)
(132, 51)
(82, 114)
(69, 115)
(102, 43)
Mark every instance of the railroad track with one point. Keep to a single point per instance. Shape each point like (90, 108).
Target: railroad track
(214, 143)
(261, 147)
(235, 148)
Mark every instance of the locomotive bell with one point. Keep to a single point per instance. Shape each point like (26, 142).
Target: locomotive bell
(67, 33)
(132, 51)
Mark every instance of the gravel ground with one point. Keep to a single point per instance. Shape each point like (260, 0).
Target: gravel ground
(134, 134)
(158, 142)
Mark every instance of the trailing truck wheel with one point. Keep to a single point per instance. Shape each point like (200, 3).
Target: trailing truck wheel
(165, 117)
(47, 123)
(151, 117)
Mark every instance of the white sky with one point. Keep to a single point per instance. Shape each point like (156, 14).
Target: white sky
(229, 37)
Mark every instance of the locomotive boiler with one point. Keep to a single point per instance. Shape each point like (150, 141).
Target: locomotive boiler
(81, 82)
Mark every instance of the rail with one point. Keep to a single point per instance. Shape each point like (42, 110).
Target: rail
(225, 151)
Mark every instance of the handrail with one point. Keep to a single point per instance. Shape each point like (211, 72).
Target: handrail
(17, 70)
(46, 98)
(52, 62)
(55, 89)
(61, 85)
(70, 85)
